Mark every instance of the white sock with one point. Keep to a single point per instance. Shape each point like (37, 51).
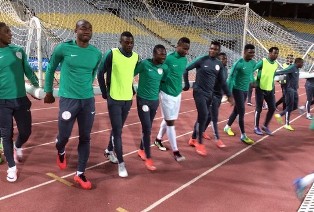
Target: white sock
(243, 135)
(79, 173)
(162, 129)
(13, 168)
(227, 126)
(171, 133)
(307, 180)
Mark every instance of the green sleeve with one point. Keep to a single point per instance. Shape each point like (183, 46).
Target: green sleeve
(165, 75)
(28, 70)
(258, 67)
(56, 58)
(232, 76)
(139, 68)
(96, 67)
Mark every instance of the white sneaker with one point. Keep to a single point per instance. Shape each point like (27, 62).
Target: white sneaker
(111, 156)
(309, 117)
(12, 174)
(302, 109)
(18, 154)
(122, 170)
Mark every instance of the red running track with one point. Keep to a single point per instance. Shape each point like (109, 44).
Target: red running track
(237, 178)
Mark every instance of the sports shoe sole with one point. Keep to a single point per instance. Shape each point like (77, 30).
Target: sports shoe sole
(160, 148)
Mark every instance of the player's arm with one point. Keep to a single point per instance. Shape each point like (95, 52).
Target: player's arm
(31, 76)
(105, 67)
(222, 80)
(139, 68)
(194, 64)
(97, 66)
(258, 72)
(287, 70)
(55, 59)
(165, 73)
(232, 75)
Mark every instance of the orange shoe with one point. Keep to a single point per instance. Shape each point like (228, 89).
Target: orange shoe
(62, 165)
(84, 183)
(150, 164)
(141, 154)
(206, 136)
(200, 149)
(220, 144)
(192, 142)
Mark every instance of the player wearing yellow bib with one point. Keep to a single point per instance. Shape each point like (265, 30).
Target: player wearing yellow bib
(265, 89)
(119, 65)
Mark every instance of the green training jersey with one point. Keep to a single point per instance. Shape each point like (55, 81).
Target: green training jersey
(241, 75)
(78, 69)
(150, 76)
(13, 66)
(173, 84)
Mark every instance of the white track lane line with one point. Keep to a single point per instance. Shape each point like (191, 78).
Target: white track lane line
(165, 197)
(171, 194)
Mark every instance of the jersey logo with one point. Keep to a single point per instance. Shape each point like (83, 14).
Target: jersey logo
(205, 66)
(66, 115)
(18, 55)
(73, 55)
(217, 67)
(1, 57)
(160, 71)
(174, 65)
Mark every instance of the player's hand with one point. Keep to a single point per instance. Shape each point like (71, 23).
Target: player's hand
(49, 98)
(186, 87)
(253, 84)
(133, 89)
(231, 100)
(104, 95)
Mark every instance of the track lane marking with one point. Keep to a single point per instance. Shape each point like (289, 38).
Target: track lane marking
(174, 192)
(61, 180)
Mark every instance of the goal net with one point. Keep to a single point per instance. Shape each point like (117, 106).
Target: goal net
(151, 22)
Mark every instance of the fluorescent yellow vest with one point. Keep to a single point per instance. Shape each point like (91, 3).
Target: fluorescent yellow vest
(267, 77)
(122, 75)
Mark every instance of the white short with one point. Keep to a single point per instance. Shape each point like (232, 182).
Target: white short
(170, 106)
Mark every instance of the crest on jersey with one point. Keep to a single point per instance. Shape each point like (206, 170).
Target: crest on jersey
(18, 55)
(160, 71)
(217, 67)
(145, 108)
(66, 115)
